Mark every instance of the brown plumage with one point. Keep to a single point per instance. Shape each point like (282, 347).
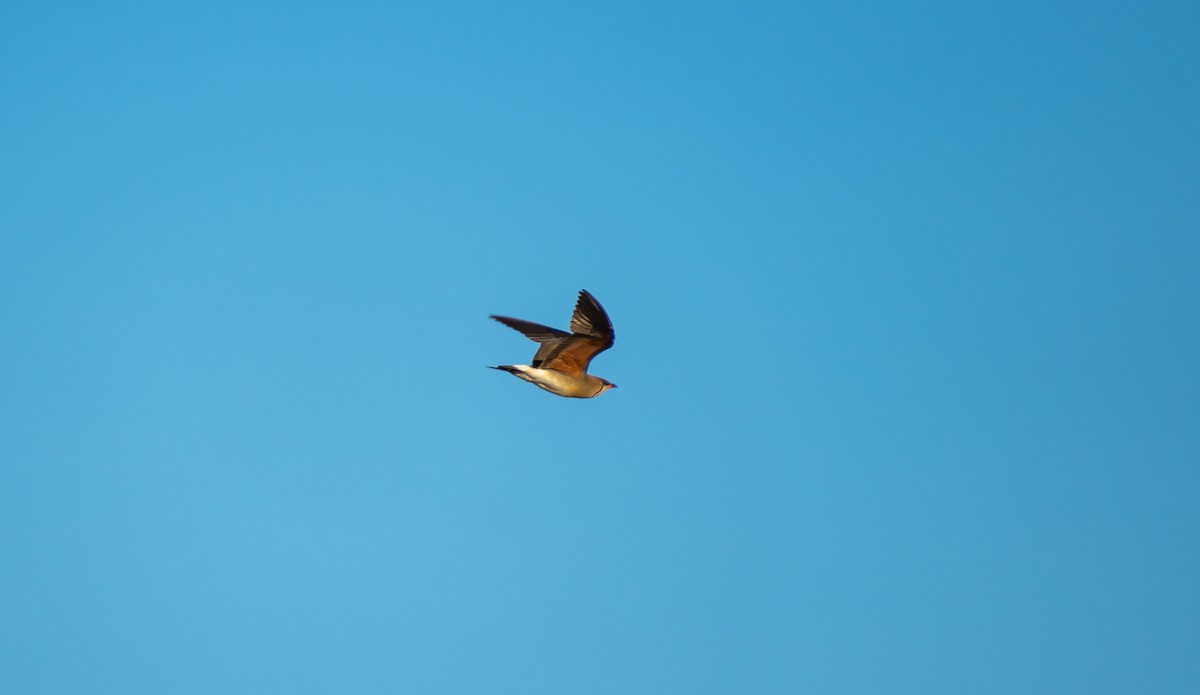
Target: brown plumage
(561, 362)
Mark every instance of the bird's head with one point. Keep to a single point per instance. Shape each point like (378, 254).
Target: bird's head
(605, 385)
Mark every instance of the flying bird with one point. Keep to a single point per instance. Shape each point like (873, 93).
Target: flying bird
(561, 362)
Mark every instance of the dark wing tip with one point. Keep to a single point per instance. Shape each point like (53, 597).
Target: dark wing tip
(591, 319)
(534, 331)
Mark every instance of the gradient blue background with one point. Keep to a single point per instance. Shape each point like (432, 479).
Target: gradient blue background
(907, 332)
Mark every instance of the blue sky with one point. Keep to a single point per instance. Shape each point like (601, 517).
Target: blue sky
(906, 311)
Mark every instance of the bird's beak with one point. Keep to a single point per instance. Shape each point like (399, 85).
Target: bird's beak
(612, 386)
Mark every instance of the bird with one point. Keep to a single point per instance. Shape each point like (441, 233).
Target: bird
(561, 362)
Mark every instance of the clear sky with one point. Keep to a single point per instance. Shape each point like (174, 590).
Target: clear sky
(907, 324)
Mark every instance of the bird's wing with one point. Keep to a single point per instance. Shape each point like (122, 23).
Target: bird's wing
(591, 334)
(551, 339)
(571, 355)
(591, 320)
(534, 331)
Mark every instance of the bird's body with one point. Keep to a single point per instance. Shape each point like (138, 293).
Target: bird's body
(558, 383)
(561, 362)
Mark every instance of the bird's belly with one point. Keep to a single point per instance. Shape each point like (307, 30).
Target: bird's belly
(557, 383)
